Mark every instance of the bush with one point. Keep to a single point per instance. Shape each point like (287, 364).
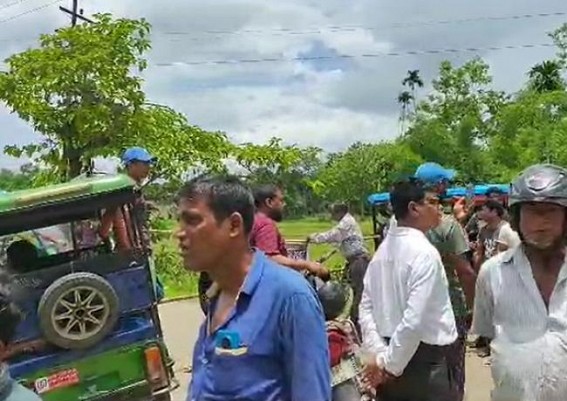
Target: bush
(176, 279)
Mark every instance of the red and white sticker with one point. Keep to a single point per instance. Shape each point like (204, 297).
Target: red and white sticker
(65, 378)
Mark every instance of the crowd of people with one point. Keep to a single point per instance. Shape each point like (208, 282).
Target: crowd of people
(495, 271)
(439, 275)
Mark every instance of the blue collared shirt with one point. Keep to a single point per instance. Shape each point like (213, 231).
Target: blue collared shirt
(278, 343)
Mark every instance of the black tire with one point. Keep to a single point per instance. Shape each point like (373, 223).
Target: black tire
(83, 301)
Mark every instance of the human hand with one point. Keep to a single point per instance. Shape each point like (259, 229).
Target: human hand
(372, 373)
(375, 375)
(319, 270)
(460, 208)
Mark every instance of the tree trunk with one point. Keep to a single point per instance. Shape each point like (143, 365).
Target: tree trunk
(74, 167)
(72, 161)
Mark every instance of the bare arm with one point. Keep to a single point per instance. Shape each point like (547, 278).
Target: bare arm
(466, 276)
(459, 246)
(478, 257)
(295, 264)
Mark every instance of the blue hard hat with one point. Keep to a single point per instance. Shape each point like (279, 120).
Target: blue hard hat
(137, 154)
(433, 173)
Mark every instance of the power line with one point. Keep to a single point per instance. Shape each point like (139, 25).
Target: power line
(30, 11)
(352, 28)
(4, 6)
(348, 56)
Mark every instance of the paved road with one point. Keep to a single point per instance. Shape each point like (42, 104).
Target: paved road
(181, 321)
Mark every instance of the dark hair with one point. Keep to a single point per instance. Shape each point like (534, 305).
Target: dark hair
(10, 315)
(494, 205)
(494, 191)
(22, 255)
(341, 208)
(405, 192)
(265, 192)
(224, 195)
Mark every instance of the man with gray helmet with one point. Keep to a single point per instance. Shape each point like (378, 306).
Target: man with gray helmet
(521, 294)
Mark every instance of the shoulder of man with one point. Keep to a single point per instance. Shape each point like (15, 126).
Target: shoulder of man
(261, 221)
(445, 229)
(494, 265)
(284, 279)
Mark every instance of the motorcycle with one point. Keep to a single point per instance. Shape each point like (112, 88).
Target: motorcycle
(344, 342)
(345, 346)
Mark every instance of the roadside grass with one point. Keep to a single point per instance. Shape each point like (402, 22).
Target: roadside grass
(179, 283)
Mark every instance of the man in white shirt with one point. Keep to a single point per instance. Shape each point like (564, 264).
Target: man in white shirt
(406, 316)
(348, 236)
(521, 294)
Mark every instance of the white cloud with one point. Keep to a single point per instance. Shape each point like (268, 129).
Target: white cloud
(329, 103)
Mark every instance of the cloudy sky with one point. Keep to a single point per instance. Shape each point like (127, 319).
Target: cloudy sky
(329, 103)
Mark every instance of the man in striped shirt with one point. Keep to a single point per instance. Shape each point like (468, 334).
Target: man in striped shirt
(521, 294)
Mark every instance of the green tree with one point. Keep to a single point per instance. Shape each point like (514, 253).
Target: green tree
(559, 37)
(546, 77)
(80, 90)
(404, 99)
(413, 81)
(453, 125)
(13, 180)
(291, 167)
(532, 129)
(364, 169)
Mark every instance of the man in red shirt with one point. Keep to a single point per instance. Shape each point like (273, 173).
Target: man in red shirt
(266, 236)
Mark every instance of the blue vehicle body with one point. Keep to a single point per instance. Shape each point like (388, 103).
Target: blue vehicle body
(135, 323)
(381, 199)
(70, 276)
(479, 190)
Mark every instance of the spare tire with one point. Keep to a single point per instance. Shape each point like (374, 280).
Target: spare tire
(78, 310)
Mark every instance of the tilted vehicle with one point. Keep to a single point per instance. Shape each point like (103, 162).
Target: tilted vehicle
(86, 284)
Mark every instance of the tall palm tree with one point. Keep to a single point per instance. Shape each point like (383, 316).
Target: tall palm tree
(413, 81)
(546, 77)
(404, 99)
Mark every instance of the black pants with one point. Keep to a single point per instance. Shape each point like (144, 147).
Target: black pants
(426, 378)
(354, 272)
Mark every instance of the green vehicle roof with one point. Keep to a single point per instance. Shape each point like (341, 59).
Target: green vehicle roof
(79, 188)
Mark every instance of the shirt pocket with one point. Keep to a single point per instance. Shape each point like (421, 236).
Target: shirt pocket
(240, 371)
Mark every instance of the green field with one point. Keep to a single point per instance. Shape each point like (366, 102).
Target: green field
(180, 283)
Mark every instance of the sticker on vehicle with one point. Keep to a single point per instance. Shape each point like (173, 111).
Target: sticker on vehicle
(61, 379)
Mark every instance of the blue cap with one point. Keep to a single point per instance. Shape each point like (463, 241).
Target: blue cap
(137, 154)
(433, 173)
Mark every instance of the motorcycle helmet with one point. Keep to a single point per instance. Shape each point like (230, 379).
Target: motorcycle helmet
(540, 183)
(544, 183)
(333, 298)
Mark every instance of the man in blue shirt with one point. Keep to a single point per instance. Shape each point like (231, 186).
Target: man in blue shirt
(264, 337)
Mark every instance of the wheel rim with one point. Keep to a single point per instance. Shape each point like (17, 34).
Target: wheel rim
(80, 313)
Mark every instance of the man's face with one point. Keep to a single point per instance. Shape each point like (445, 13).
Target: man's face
(139, 171)
(276, 206)
(542, 224)
(204, 241)
(486, 214)
(428, 212)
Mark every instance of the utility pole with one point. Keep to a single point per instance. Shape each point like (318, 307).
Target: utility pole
(76, 13)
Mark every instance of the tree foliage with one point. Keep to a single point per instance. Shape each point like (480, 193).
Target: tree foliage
(81, 90)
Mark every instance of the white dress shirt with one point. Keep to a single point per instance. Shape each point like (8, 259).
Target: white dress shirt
(405, 298)
(529, 346)
(346, 234)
